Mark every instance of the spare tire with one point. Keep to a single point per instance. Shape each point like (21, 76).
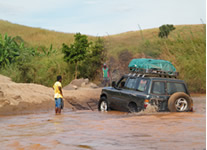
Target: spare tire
(180, 102)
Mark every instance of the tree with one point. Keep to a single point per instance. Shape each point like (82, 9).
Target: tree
(165, 30)
(95, 57)
(77, 51)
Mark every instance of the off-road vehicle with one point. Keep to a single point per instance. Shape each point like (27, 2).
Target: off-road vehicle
(136, 90)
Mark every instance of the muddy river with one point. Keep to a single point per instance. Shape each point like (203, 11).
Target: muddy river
(81, 130)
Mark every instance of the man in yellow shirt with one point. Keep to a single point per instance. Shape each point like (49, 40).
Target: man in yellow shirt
(58, 95)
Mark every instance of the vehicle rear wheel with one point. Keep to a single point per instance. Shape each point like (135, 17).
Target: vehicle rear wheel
(179, 102)
(103, 104)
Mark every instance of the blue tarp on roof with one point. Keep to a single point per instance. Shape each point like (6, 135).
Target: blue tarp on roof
(145, 63)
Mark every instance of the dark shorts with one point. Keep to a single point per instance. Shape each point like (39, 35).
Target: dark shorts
(58, 102)
(106, 79)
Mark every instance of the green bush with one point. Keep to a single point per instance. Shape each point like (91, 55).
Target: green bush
(95, 57)
(165, 30)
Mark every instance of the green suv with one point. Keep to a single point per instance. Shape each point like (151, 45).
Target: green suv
(135, 92)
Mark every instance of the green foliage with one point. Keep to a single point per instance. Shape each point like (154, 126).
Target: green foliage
(86, 56)
(27, 73)
(186, 51)
(18, 39)
(165, 30)
(149, 48)
(12, 52)
(77, 51)
(125, 57)
(9, 50)
(185, 48)
(46, 52)
(188, 54)
(20, 62)
(95, 57)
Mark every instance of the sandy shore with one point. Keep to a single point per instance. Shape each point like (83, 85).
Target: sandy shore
(20, 98)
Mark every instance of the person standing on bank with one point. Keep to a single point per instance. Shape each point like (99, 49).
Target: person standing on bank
(106, 75)
(58, 95)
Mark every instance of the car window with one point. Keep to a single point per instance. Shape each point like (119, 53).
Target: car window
(131, 83)
(173, 87)
(158, 87)
(122, 83)
(142, 85)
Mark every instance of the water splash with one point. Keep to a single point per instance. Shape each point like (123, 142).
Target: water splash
(151, 109)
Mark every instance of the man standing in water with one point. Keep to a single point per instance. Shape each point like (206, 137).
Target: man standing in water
(58, 95)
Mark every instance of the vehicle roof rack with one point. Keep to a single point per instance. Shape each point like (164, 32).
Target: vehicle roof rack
(153, 72)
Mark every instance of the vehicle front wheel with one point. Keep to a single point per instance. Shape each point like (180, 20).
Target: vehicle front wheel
(103, 104)
(179, 102)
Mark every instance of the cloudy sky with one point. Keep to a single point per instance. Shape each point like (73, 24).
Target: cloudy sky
(102, 17)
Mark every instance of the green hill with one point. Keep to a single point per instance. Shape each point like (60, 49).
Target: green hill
(36, 36)
(185, 48)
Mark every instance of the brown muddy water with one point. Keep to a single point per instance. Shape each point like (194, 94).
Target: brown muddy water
(82, 130)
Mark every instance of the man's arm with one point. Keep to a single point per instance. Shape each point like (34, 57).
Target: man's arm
(60, 90)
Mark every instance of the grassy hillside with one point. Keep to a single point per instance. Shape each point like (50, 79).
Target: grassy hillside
(185, 48)
(148, 43)
(134, 39)
(36, 36)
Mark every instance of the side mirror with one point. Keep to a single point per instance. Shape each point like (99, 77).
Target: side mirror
(113, 84)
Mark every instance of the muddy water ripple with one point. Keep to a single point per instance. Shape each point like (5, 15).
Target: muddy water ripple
(82, 130)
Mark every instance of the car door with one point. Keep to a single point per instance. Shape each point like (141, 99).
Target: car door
(140, 94)
(136, 94)
(115, 96)
(158, 91)
(126, 93)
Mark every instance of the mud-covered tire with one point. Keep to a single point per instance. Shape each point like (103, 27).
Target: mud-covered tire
(103, 104)
(132, 108)
(180, 102)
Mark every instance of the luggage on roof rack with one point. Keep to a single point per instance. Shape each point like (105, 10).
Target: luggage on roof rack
(153, 67)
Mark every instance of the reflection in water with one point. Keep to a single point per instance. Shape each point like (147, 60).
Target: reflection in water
(111, 130)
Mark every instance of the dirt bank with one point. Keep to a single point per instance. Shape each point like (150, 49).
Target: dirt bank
(18, 98)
